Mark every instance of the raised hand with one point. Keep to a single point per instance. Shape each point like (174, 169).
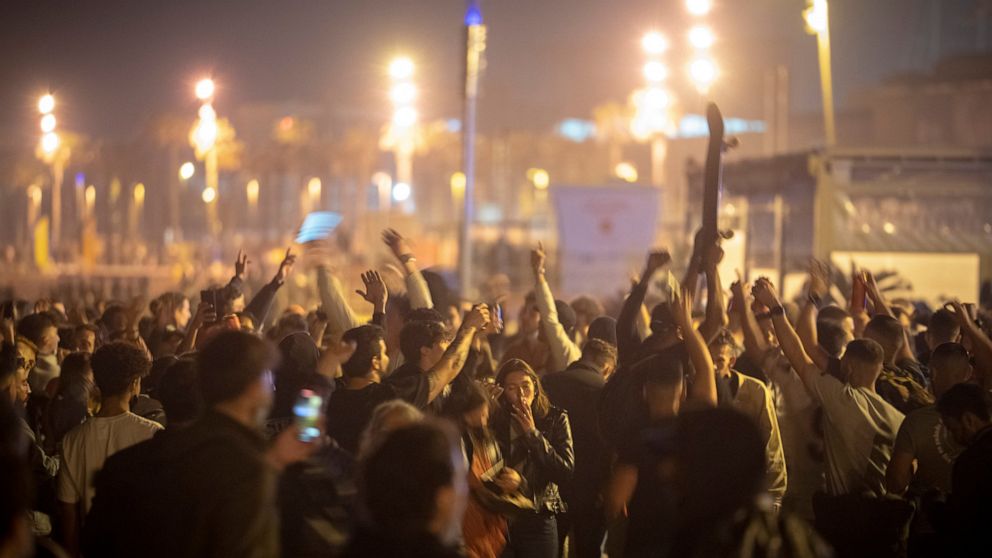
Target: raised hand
(681, 304)
(241, 265)
(819, 278)
(477, 317)
(538, 258)
(738, 292)
(286, 266)
(657, 260)
(397, 244)
(713, 255)
(205, 313)
(764, 292)
(524, 417)
(375, 292)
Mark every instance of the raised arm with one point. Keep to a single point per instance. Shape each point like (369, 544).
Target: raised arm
(204, 313)
(691, 278)
(375, 293)
(819, 286)
(788, 339)
(564, 351)
(416, 286)
(703, 389)
(261, 303)
(454, 357)
(755, 345)
(981, 345)
(882, 307)
(627, 337)
(716, 306)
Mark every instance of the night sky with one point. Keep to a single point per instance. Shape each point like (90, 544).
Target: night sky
(113, 64)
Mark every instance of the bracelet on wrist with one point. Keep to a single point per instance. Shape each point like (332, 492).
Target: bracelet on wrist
(814, 299)
(406, 258)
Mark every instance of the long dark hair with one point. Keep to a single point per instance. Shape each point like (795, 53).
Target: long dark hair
(541, 405)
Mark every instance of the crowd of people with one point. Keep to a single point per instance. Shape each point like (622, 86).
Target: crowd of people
(838, 424)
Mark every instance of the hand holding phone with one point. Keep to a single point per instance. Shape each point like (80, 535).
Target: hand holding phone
(307, 414)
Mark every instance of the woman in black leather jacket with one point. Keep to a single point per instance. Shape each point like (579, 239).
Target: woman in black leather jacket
(536, 442)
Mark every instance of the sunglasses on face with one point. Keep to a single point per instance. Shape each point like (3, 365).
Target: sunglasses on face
(25, 363)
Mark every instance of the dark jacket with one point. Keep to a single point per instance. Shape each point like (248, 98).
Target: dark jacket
(379, 544)
(205, 490)
(547, 456)
(577, 391)
(968, 509)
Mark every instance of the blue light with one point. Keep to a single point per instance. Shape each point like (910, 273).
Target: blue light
(576, 129)
(453, 125)
(694, 126)
(473, 15)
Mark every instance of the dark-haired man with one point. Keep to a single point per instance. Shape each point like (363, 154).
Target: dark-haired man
(117, 370)
(350, 407)
(901, 383)
(207, 489)
(432, 362)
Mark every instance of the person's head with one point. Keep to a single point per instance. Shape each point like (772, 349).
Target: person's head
(40, 329)
(832, 337)
(414, 483)
(530, 316)
(25, 360)
(662, 322)
(469, 408)
(566, 317)
(114, 319)
(179, 393)
(837, 315)
(423, 343)
(605, 328)
(950, 364)
(10, 376)
(664, 385)
(887, 332)
(724, 351)
(76, 374)
(943, 327)
(86, 338)
(369, 359)
(386, 418)
(965, 410)
(177, 306)
(586, 310)
(600, 355)
(297, 370)
(862, 362)
(118, 368)
(521, 386)
(719, 463)
(291, 323)
(234, 372)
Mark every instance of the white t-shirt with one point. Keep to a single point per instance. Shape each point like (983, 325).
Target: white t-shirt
(86, 447)
(859, 430)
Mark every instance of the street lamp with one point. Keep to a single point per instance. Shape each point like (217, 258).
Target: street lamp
(204, 140)
(475, 47)
(703, 72)
(50, 151)
(817, 16)
(653, 105)
(187, 170)
(401, 135)
(699, 7)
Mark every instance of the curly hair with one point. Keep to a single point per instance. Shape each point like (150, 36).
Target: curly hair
(541, 405)
(116, 365)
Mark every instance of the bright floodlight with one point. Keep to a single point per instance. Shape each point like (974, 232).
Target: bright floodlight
(139, 193)
(313, 187)
(209, 195)
(405, 117)
(204, 89)
(654, 43)
(655, 71)
(703, 73)
(401, 68)
(540, 178)
(403, 93)
(46, 104)
(207, 112)
(187, 170)
(251, 191)
(701, 37)
(699, 7)
(48, 123)
(816, 16)
(655, 99)
(626, 171)
(49, 142)
(401, 191)
(457, 183)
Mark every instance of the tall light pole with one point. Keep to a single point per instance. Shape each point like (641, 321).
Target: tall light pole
(401, 135)
(475, 45)
(53, 153)
(817, 16)
(653, 117)
(204, 139)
